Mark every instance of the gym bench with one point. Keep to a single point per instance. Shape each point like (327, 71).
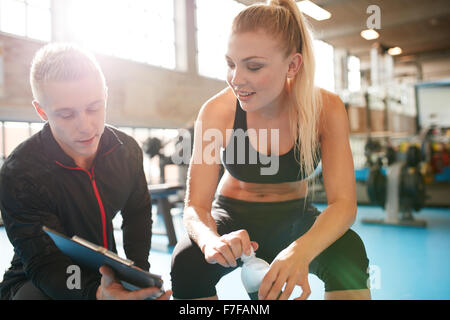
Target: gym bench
(159, 194)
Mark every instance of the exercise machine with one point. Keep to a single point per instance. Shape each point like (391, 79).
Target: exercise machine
(400, 192)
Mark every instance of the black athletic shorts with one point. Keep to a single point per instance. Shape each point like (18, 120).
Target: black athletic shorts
(274, 225)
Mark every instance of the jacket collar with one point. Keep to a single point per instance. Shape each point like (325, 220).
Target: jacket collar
(108, 142)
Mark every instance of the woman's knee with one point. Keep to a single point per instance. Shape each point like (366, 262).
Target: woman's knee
(192, 277)
(185, 257)
(344, 265)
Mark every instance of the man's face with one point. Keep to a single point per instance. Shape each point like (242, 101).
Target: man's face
(75, 111)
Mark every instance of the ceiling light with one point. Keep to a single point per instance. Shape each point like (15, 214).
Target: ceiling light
(369, 34)
(313, 10)
(395, 51)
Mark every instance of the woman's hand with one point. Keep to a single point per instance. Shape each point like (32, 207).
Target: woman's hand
(111, 289)
(288, 267)
(225, 249)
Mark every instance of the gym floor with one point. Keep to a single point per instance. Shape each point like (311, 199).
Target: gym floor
(406, 263)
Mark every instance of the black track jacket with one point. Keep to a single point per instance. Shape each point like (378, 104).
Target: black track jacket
(41, 185)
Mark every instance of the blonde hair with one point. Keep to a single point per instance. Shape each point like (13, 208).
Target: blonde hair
(283, 20)
(61, 62)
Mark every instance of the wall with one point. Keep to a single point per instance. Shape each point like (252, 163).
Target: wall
(139, 94)
(397, 123)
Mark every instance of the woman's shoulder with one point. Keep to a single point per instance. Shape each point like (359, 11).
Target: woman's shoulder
(219, 109)
(330, 100)
(333, 113)
(332, 106)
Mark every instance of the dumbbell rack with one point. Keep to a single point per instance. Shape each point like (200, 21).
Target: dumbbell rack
(394, 216)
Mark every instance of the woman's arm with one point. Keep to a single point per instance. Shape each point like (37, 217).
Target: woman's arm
(203, 177)
(209, 136)
(339, 181)
(291, 264)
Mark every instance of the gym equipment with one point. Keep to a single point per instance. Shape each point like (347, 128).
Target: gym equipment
(400, 192)
(372, 147)
(160, 193)
(412, 189)
(152, 147)
(413, 156)
(376, 185)
(412, 182)
(391, 155)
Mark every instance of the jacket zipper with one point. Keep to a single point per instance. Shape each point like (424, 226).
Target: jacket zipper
(97, 195)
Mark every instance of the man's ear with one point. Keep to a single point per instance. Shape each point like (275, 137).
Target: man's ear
(39, 110)
(295, 63)
(106, 96)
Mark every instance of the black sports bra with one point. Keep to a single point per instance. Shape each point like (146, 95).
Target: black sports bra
(253, 166)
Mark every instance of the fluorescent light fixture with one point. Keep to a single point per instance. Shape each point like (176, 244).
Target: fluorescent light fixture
(369, 34)
(395, 51)
(313, 10)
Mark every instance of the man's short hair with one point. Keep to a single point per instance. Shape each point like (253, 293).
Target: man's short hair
(61, 62)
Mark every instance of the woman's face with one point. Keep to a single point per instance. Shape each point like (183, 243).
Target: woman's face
(257, 70)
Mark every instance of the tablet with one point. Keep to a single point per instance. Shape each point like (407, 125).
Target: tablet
(94, 256)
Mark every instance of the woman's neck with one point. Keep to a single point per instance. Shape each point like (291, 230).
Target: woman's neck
(275, 109)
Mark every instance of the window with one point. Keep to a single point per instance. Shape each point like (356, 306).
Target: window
(29, 18)
(151, 165)
(35, 127)
(324, 55)
(138, 30)
(214, 18)
(354, 74)
(14, 134)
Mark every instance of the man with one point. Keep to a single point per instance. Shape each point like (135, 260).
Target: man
(73, 176)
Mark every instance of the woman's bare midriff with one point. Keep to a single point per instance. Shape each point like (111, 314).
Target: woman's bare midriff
(256, 192)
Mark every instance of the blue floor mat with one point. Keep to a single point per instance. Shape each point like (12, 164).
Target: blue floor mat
(406, 262)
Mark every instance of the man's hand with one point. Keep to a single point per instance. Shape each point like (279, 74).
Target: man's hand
(111, 289)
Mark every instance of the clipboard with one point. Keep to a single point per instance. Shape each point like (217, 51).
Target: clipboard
(94, 256)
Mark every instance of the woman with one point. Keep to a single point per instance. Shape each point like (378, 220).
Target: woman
(271, 87)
